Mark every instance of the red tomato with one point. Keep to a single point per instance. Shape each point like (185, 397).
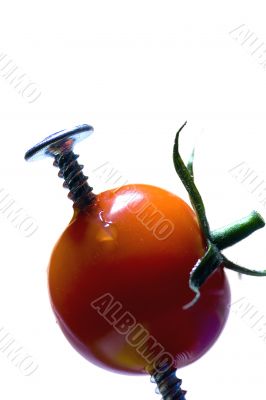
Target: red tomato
(119, 278)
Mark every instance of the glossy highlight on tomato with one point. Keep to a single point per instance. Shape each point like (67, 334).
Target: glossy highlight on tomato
(137, 243)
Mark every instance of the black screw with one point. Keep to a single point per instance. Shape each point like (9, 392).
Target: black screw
(168, 385)
(60, 146)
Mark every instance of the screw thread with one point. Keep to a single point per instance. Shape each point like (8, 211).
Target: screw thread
(168, 385)
(71, 171)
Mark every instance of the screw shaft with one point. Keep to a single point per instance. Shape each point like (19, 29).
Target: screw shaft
(168, 385)
(71, 171)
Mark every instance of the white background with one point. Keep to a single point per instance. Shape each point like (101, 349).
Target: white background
(135, 71)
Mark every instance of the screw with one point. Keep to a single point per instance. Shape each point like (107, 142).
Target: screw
(60, 146)
(168, 385)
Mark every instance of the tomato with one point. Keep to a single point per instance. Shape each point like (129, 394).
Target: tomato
(118, 282)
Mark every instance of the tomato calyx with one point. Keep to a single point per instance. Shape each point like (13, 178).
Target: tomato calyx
(216, 240)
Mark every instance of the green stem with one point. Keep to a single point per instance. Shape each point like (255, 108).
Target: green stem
(188, 181)
(211, 260)
(232, 234)
(216, 240)
(242, 270)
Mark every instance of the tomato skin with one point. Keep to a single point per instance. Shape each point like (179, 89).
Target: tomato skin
(114, 247)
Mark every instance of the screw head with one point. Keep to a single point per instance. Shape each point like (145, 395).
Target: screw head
(59, 142)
